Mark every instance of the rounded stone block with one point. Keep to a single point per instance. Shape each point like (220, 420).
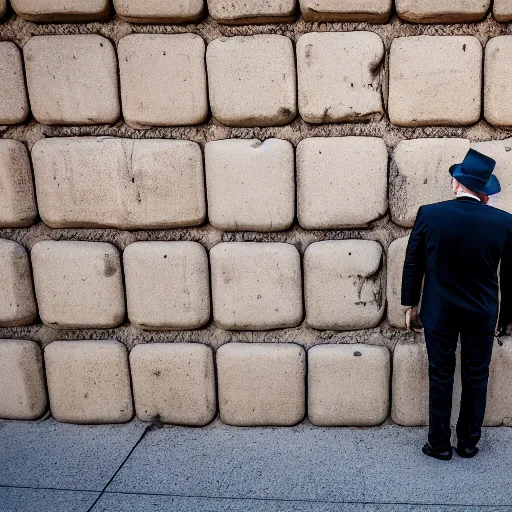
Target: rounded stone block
(497, 90)
(499, 399)
(250, 184)
(395, 266)
(14, 106)
(174, 383)
(22, 384)
(256, 286)
(417, 178)
(333, 174)
(252, 11)
(167, 285)
(252, 80)
(441, 11)
(17, 200)
(88, 381)
(3, 8)
(372, 11)
(51, 11)
(72, 79)
(348, 385)
(261, 384)
(344, 284)
(17, 303)
(435, 80)
(78, 284)
(502, 10)
(163, 79)
(89, 182)
(350, 91)
(160, 11)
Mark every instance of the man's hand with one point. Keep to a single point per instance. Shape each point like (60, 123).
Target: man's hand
(411, 316)
(503, 331)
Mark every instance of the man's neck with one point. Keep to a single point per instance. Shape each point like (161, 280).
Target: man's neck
(461, 193)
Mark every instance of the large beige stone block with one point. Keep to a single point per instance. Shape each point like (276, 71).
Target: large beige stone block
(252, 11)
(344, 284)
(167, 285)
(51, 11)
(17, 303)
(72, 79)
(497, 93)
(163, 79)
(160, 11)
(22, 384)
(252, 80)
(122, 183)
(261, 384)
(3, 8)
(441, 11)
(88, 381)
(348, 385)
(499, 400)
(348, 91)
(333, 174)
(17, 201)
(14, 106)
(435, 80)
(503, 10)
(174, 382)
(395, 266)
(420, 175)
(250, 184)
(256, 286)
(373, 11)
(78, 284)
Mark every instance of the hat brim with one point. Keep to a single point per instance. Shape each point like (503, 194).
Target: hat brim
(490, 188)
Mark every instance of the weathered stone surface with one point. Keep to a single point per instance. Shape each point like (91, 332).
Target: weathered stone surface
(497, 93)
(174, 382)
(348, 91)
(261, 384)
(167, 285)
(14, 106)
(256, 286)
(395, 265)
(17, 201)
(3, 8)
(72, 79)
(333, 174)
(503, 10)
(78, 284)
(88, 381)
(435, 80)
(163, 79)
(441, 11)
(159, 11)
(499, 399)
(373, 11)
(252, 11)
(348, 385)
(50, 11)
(419, 175)
(250, 184)
(123, 183)
(17, 303)
(344, 284)
(22, 386)
(252, 80)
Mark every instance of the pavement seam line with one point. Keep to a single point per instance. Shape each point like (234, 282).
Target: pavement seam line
(2, 486)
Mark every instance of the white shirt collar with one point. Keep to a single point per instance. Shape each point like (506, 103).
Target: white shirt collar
(466, 194)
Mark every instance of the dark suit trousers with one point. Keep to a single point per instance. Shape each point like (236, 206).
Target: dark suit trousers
(476, 351)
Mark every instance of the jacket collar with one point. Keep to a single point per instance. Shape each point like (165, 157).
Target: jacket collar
(467, 198)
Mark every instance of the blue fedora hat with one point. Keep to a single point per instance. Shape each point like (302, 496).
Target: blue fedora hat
(475, 173)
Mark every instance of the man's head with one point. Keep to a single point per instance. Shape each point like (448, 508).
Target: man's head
(456, 186)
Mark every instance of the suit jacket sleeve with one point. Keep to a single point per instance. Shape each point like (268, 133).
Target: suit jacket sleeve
(506, 284)
(414, 264)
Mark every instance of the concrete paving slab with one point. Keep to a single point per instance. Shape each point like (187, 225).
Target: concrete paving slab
(16, 499)
(56, 455)
(372, 465)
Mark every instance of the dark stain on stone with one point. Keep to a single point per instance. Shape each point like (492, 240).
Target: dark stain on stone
(110, 268)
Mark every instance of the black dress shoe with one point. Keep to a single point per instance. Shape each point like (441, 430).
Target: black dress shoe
(466, 452)
(437, 454)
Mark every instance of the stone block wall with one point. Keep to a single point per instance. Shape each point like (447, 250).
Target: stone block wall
(205, 205)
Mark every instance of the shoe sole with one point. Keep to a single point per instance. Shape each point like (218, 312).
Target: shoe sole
(465, 456)
(438, 457)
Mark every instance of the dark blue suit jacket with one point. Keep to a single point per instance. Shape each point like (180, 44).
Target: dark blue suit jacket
(456, 246)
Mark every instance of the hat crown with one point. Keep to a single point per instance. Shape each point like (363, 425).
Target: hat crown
(478, 166)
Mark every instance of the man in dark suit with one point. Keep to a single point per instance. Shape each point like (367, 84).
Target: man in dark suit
(456, 246)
